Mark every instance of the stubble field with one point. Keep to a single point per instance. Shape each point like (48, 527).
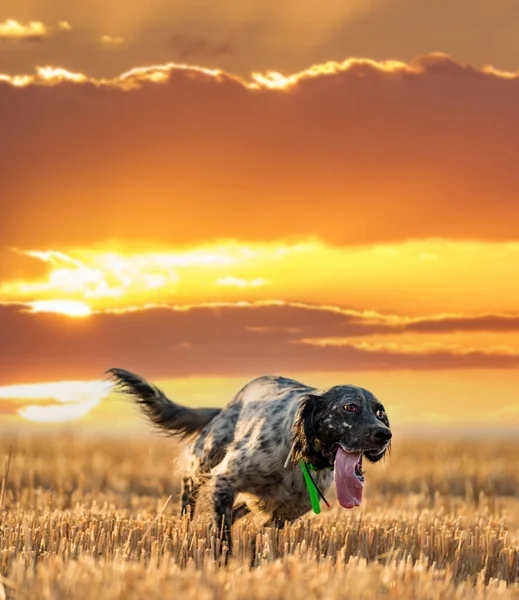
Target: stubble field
(87, 519)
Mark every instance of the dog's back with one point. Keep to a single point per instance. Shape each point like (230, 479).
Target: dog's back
(255, 418)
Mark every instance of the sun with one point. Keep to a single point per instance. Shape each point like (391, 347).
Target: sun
(71, 308)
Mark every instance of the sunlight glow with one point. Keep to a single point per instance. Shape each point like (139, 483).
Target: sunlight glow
(71, 399)
(70, 308)
(17, 80)
(241, 283)
(270, 80)
(33, 30)
(273, 80)
(55, 75)
(107, 279)
(97, 279)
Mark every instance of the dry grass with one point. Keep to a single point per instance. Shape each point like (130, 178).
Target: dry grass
(80, 520)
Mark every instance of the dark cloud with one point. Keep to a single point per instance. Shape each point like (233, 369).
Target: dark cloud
(225, 340)
(17, 266)
(364, 155)
(488, 323)
(187, 48)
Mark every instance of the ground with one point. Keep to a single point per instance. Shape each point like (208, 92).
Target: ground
(98, 518)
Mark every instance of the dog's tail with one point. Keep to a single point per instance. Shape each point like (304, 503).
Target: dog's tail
(162, 412)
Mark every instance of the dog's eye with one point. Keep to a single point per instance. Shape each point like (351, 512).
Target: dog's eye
(351, 407)
(380, 413)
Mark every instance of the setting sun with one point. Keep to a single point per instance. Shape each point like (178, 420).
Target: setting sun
(71, 308)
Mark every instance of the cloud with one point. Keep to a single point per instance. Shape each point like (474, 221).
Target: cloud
(458, 323)
(111, 40)
(241, 283)
(354, 152)
(386, 278)
(220, 339)
(31, 31)
(188, 48)
(53, 402)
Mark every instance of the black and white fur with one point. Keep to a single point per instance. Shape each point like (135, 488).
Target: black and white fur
(241, 449)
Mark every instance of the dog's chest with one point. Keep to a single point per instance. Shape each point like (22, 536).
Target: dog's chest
(289, 498)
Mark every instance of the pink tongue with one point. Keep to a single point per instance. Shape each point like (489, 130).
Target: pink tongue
(347, 484)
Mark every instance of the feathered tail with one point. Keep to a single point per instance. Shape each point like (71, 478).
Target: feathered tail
(162, 412)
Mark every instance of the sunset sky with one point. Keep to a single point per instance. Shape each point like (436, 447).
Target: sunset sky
(208, 192)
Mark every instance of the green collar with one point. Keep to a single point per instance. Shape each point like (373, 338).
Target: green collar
(313, 491)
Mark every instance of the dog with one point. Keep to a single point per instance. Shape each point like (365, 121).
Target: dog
(253, 452)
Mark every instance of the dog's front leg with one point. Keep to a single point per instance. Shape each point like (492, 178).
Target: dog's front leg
(223, 500)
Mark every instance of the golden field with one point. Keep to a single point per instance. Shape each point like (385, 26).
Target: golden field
(87, 518)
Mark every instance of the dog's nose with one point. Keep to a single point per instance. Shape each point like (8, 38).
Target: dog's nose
(382, 435)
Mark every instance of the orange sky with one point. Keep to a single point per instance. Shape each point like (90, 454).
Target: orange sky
(351, 221)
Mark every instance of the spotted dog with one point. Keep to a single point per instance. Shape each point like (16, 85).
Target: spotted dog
(250, 451)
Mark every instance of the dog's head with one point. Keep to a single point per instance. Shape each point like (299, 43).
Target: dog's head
(345, 416)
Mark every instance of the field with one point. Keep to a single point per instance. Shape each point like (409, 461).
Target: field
(86, 519)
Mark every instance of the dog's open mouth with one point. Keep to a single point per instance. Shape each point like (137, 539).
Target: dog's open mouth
(349, 477)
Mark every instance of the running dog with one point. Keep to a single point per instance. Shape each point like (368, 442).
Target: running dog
(253, 451)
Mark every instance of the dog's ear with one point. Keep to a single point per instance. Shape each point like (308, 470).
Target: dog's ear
(304, 426)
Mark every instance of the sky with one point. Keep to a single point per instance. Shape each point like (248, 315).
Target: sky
(204, 193)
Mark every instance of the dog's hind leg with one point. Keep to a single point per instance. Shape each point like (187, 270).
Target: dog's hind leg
(223, 500)
(190, 491)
